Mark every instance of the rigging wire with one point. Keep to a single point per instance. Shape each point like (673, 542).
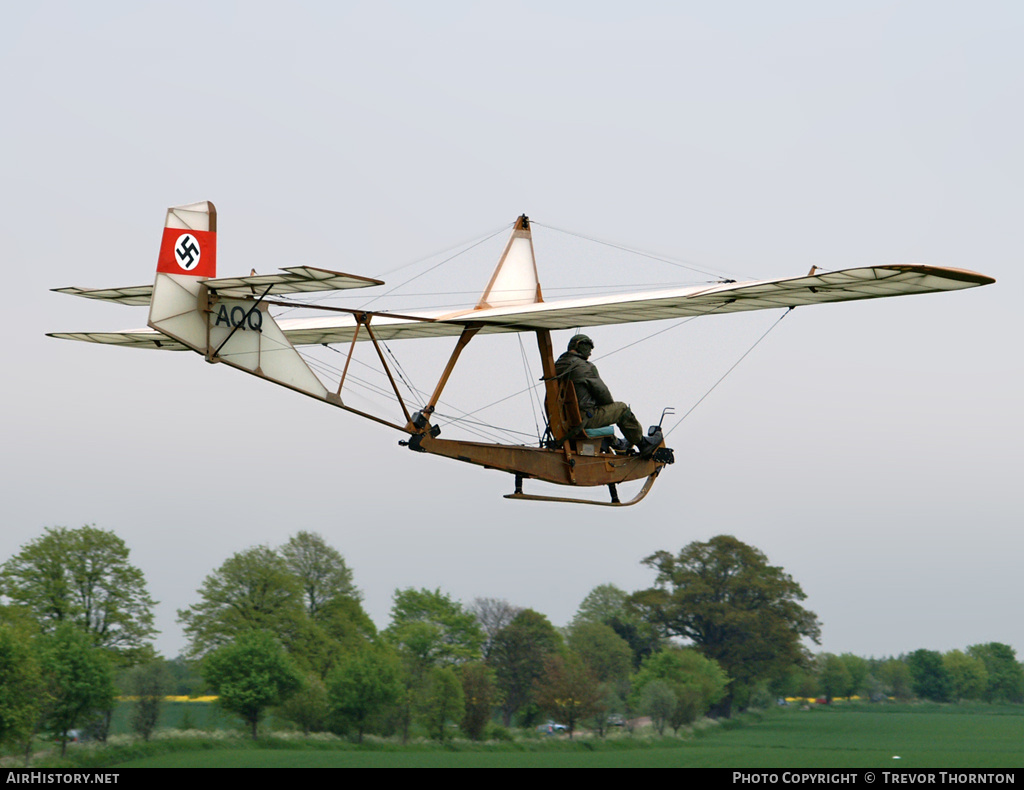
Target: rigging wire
(730, 370)
(660, 331)
(533, 387)
(473, 242)
(439, 264)
(413, 390)
(529, 379)
(579, 290)
(500, 400)
(634, 251)
(471, 426)
(327, 369)
(634, 460)
(474, 428)
(481, 426)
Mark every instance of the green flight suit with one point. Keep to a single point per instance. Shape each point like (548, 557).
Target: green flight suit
(597, 408)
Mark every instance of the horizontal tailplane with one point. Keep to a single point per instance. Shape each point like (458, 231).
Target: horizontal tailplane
(237, 331)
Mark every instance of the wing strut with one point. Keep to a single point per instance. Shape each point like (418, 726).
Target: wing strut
(464, 338)
(364, 319)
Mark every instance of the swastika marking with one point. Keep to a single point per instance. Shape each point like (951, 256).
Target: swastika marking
(187, 252)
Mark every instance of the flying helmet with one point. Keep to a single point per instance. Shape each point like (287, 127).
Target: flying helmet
(578, 340)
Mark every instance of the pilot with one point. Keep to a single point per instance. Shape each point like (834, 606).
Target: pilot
(597, 407)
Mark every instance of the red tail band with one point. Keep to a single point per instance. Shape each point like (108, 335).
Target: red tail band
(192, 252)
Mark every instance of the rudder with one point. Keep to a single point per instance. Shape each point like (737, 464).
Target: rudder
(188, 256)
(189, 244)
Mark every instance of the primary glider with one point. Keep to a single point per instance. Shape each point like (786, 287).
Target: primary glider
(228, 320)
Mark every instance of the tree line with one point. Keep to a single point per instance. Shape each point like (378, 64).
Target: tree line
(986, 672)
(283, 629)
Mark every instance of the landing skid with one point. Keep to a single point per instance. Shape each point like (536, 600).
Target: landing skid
(648, 485)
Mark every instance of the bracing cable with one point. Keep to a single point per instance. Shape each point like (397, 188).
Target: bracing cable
(730, 370)
(642, 253)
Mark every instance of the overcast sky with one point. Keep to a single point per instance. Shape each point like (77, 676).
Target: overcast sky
(871, 449)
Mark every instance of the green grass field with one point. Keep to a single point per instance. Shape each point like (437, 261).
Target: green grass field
(178, 715)
(921, 736)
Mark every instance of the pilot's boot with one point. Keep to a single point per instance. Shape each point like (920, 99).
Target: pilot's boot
(620, 446)
(651, 442)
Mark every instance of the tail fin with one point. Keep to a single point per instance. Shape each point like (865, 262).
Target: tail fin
(189, 245)
(238, 332)
(188, 256)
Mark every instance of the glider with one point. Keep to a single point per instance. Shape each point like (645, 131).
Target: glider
(228, 320)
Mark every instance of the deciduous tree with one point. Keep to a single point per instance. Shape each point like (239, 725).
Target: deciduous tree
(609, 605)
(148, 684)
(302, 593)
(929, 677)
(604, 651)
(696, 682)
(78, 680)
(967, 674)
(833, 675)
(21, 686)
(658, 700)
(250, 675)
(320, 570)
(859, 668)
(518, 655)
(252, 590)
(83, 577)
(441, 701)
(1005, 674)
(602, 604)
(480, 691)
(568, 689)
(894, 675)
(363, 687)
(429, 629)
(308, 707)
(433, 629)
(736, 608)
(492, 614)
(318, 645)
